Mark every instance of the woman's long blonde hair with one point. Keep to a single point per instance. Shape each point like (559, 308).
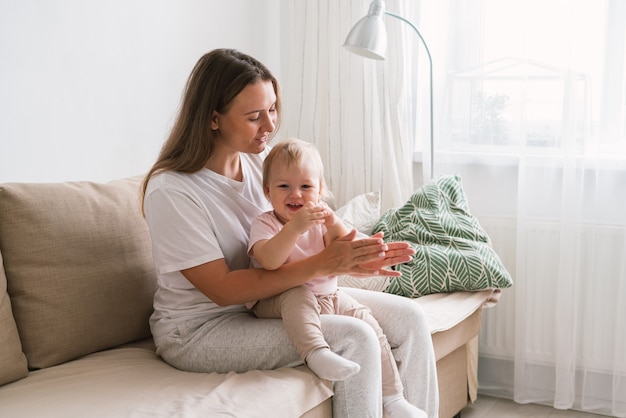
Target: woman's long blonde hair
(217, 78)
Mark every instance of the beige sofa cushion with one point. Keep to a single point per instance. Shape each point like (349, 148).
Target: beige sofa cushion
(12, 360)
(132, 382)
(79, 266)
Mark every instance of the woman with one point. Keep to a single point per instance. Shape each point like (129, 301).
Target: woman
(200, 198)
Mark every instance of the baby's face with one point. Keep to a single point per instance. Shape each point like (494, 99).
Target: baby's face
(290, 187)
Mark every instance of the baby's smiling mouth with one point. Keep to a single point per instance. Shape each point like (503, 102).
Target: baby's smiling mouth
(294, 206)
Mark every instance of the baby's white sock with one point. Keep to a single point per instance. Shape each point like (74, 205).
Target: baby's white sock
(396, 406)
(331, 366)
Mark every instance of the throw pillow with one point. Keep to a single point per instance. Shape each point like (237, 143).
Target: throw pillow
(79, 268)
(453, 252)
(362, 212)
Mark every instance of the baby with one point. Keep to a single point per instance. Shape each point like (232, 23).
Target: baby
(301, 225)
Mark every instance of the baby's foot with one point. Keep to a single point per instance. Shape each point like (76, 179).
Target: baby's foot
(331, 366)
(396, 406)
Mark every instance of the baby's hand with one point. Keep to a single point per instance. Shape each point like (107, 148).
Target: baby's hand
(310, 214)
(329, 215)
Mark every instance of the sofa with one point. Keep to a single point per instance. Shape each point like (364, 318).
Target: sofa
(76, 287)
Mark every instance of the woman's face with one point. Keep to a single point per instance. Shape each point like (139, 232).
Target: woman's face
(252, 116)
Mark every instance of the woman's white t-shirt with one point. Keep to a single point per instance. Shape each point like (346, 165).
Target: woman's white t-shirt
(194, 219)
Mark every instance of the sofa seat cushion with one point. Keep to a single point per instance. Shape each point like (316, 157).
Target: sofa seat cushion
(79, 266)
(135, 382)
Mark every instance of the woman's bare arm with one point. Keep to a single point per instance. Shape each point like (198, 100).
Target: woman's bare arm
(343, 256)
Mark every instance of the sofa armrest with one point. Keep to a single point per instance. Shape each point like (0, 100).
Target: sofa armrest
(445, 310)
(455, 320)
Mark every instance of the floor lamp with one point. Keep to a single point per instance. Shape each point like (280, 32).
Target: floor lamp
(368, 38)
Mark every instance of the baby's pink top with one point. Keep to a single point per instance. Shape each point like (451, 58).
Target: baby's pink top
(266, 225)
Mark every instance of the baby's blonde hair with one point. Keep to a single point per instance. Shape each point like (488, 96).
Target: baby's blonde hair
(294, 151)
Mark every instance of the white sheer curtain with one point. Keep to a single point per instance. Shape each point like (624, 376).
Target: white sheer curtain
(530, 102)
(535, 121)
(359, 112)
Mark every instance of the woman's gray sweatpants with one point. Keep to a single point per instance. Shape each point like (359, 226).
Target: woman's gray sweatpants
(241, 342)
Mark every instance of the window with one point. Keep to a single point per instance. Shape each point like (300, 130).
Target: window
(541, 76)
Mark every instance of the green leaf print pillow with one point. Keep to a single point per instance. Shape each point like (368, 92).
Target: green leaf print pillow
(453, 252)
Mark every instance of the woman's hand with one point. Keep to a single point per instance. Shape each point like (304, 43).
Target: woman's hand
(366, 256)
(397, 252)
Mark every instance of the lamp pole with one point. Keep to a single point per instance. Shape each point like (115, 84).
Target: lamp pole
(430, 70)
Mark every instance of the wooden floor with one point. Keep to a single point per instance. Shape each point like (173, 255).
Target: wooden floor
(488, 407)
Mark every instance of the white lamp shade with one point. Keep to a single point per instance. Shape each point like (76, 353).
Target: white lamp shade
(368, 37)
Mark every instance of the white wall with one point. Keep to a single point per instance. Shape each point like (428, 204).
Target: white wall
(89, 89)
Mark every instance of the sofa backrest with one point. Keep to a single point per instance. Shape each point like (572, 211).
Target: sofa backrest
(12, 360)
(78, 264)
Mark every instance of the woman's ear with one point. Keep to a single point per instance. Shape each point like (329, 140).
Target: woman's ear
(214, 119)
